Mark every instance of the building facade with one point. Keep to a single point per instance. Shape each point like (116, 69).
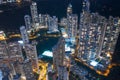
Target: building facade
(31, 54)
(59, 53)
(3, 50)
(97, 35)
(27, 20)
(28, 71)
(72, 25)
(62, 73)
(24, 35)
(34, 13)
(15, 51)
(53, 24)
(69, 10)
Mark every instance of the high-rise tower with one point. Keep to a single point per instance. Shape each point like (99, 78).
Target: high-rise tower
(27, 22)
(53, 24)
(59, 53)
(69, 9)
(3, 46)
(31, 53)
(3, 50)
(109, 36)
(34, 13)
(28, 71)
(97, 36)
(72, 22)
(58, 58)
(15, 51)
(24, 35)
(86, 6)
(72, 25)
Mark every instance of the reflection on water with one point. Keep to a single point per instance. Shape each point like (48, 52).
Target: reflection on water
(45, 43)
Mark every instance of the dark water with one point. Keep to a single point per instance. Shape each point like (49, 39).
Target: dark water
(45, 43)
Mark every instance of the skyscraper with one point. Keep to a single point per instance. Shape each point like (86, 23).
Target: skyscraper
(18, 68)
(69, 9)
(31, 53)
(3, 46)
(28, 71)
(24, 35)
(62, 73)
(15, 51)
(34, 13)
(90, 33)
(110, 36)
(28, 24)
(3, 50)
(59, 53)
(86, 5)
(72, 25)
(43, 20)
(97, 35)
(50, 24)
(58, 58)
(53, 24)
(63, 22)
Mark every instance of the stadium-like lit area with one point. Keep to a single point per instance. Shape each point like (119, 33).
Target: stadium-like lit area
(20, 42)
(94, 63)
(64, 34)
(67, 47)
(47, 53)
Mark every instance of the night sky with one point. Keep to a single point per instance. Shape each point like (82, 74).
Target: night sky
(13, 18)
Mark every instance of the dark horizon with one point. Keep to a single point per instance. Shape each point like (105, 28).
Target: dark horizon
(15, 17)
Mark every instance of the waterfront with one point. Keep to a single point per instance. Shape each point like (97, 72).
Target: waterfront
(45, 43)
